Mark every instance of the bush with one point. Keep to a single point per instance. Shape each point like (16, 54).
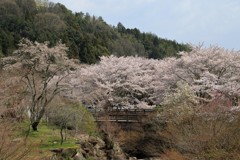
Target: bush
(73, 117)
(210, 132)
(12, 147)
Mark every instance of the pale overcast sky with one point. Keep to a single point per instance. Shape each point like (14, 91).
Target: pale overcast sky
(215, 22)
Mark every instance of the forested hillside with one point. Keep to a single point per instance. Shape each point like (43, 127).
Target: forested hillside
(88, 37)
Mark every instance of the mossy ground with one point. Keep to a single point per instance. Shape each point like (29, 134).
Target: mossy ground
(44, 140)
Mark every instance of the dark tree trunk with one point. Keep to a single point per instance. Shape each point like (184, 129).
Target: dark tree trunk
(34, 126)
(61, 133)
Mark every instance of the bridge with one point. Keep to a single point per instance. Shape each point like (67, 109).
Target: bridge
(123, 116)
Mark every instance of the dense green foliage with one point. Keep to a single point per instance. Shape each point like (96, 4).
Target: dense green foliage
(88, 37)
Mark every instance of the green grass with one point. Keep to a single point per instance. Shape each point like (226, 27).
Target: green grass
(47, 137)
(44, 140)
(41, 143)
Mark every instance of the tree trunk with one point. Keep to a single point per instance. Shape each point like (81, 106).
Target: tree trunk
(61, 133)
(65, 136)
(34, 126)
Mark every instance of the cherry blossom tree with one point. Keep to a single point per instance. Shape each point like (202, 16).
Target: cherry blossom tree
(134, 82)
(124, 82)
(42, 70)
(211, 71)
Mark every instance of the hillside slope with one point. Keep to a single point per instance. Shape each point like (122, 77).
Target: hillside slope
(88, 37)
